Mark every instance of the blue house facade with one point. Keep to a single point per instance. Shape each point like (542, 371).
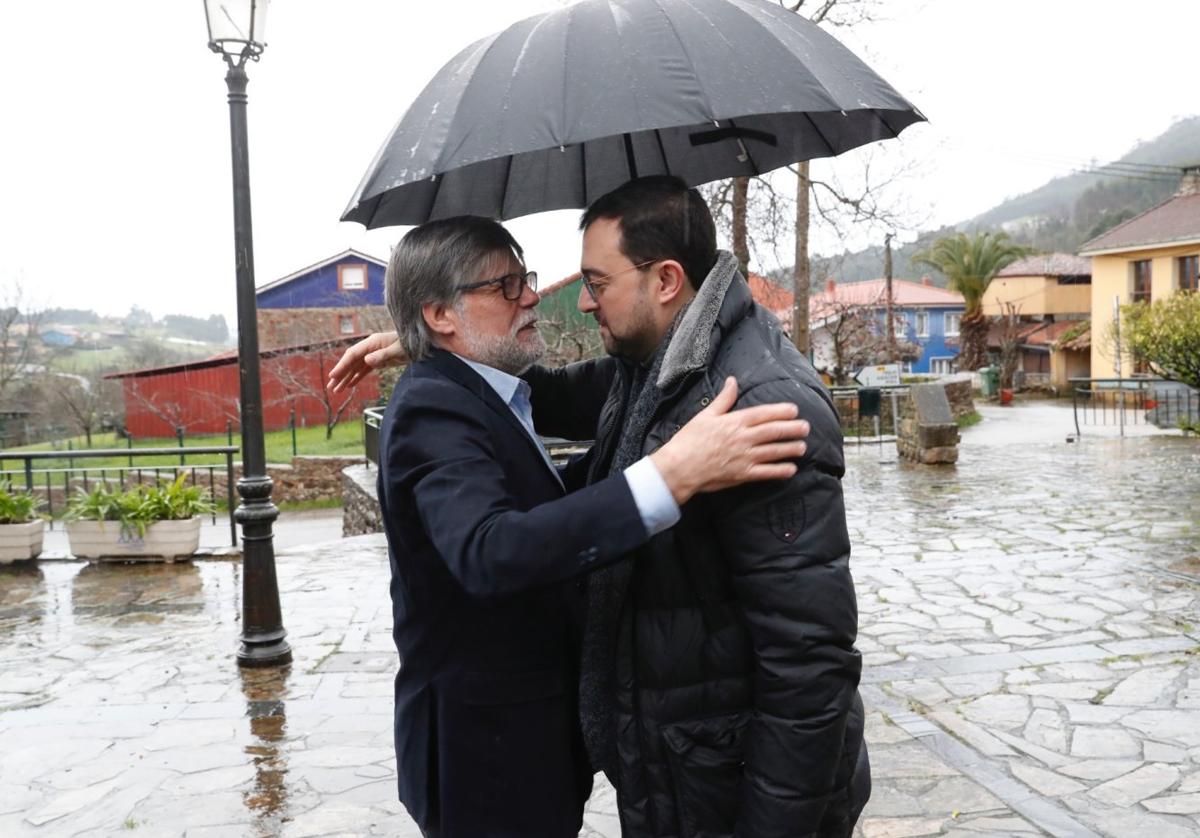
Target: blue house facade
(337, 297)
(934, 329)
(922, 314)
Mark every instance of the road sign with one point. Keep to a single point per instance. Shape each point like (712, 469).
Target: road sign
(884, 375)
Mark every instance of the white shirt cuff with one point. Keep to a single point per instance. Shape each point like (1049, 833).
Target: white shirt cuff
(654, 501)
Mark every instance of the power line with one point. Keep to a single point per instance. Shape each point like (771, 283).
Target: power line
(1078, 163)
(1105, 172)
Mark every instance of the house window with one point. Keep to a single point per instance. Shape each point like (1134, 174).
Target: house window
(1141, 281)
(1189, 273)
(941, 366)
(346, 324)
(352, 277)
(900, 324)
(952, 322)
(922, 324)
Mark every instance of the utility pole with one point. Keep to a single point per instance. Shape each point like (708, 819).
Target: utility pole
(887, 283)
(801, 279)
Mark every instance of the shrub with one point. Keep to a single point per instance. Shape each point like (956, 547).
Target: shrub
(16, 506)
(1166, 334)
(138, 507)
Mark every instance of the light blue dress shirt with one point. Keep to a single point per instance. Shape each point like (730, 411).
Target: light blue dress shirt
(654, 501)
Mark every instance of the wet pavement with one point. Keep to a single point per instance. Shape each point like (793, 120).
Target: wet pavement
(1029, 620)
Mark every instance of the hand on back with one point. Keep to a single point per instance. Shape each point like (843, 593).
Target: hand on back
(721, 447)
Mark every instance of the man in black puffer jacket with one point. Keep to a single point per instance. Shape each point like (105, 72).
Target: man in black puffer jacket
(720, 680)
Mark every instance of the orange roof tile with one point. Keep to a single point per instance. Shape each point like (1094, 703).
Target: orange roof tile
(905, 294)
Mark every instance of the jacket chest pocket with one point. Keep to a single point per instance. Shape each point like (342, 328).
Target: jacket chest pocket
(705, 759)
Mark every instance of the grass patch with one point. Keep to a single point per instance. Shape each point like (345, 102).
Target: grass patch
(972, 418)
(285, 506)
(304, 505)
(347, 440)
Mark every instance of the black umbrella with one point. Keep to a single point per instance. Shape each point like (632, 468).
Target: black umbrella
(560, 108)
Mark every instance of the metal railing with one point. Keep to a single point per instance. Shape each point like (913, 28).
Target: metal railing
(1172, 404)
(1118, 402)
(1108, 402)
(852, 419)
(47, 479)
(372, 420)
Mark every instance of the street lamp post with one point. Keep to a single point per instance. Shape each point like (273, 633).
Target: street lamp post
(235, 31)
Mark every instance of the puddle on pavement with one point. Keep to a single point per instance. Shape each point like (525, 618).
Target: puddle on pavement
(22, 586)
(61, 596)
(268, 799)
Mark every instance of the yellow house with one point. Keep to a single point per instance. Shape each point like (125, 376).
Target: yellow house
(1148, 257)
(1052, 293)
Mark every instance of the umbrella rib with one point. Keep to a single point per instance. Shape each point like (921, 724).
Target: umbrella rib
(440, 163)
(583, 172)
(684, 52)
(630, 159)
(508, 165)
(879, 115)
(662, 151)
(821, 134)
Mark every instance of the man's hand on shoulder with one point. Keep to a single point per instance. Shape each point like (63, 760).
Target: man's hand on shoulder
(721, 447)
(374, 352)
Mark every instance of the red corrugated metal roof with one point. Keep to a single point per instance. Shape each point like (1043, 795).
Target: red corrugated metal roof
(230, 357)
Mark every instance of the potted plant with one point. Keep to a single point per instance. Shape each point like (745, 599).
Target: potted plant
(144, 522)
(20, 527)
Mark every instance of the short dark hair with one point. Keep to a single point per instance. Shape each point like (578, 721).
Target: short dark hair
(430, 263)
(660, 218)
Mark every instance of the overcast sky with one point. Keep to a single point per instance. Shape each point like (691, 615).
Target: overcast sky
(115, 171)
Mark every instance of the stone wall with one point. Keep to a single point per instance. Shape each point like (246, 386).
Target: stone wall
(308, 478)
(961, 396)
(360, 506)
(293, 326)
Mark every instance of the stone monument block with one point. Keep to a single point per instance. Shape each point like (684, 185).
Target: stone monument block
(928, 433)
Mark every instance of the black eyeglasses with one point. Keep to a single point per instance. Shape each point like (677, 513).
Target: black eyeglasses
(511, 285)
(595, 287)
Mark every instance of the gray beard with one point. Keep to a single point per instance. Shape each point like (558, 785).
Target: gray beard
(509, 353)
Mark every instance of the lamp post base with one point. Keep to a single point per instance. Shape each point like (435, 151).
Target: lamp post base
(262, 638)
(269, 649)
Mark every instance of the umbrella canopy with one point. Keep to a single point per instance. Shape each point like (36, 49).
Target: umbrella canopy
(562, 107)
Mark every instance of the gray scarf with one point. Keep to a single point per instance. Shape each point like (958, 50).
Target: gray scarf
(607, 586)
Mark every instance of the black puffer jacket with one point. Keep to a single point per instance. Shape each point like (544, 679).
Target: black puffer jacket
(738, 706)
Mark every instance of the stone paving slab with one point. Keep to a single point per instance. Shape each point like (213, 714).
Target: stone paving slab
(1029, 606)
(1032, 667)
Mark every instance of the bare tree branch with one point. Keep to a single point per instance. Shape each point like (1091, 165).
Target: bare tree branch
(19, 333)
(174, 414)
(315, 366)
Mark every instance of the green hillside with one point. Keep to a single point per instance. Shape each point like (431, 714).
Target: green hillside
(1060, 215)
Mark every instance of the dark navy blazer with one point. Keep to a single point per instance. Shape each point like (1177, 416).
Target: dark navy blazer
(484, 548)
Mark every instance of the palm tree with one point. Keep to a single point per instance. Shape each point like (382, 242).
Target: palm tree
(970, 264)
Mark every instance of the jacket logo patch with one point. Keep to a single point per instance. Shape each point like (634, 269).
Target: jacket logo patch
(786, 518)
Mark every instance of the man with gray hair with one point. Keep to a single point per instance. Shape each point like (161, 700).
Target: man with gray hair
(485, 539)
